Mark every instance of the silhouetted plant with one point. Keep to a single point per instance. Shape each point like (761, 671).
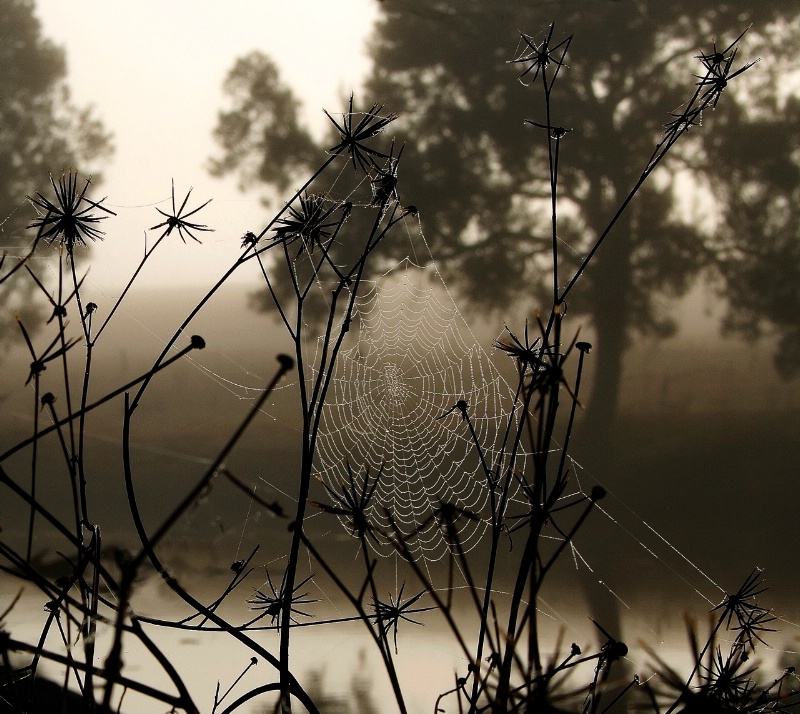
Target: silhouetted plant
(508, 664)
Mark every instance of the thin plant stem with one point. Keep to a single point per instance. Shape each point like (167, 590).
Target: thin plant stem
(150, 542)
(128, 285)
(311, 409)
(34, 453)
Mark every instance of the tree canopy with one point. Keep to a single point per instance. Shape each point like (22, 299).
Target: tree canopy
(41, 133)
(724, 201)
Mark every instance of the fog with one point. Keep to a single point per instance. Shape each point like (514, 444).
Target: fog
(689, 407)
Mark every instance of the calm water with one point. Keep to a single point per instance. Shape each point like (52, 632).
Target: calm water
(334, 662)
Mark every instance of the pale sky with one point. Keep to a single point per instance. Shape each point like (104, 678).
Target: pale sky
(153, 70)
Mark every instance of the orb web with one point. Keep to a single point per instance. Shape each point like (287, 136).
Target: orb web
(390, 411)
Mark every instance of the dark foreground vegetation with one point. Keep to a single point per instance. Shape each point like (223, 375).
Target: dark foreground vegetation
(531, 498)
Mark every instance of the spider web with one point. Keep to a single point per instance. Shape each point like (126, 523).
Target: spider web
(390, 411)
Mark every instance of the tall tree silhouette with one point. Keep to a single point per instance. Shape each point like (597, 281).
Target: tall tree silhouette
(724, 199)
(41, 132)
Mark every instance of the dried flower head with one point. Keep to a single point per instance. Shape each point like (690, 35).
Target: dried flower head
(177, 219)
(741, 606)
(273, 602)
(69, 220)
(717, 65)
(353, 502)
(727, 682)
(388, 614)
(542, 363)
(307, 223)
(249, 239)
(528, 353)
(352, 137)
(750, 631)
(540, 55)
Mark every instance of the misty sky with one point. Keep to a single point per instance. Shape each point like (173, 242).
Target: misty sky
(154, 70)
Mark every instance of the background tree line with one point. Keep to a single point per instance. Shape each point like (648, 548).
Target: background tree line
(723, 205)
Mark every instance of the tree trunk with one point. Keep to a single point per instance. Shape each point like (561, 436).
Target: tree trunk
(603, 401)
(611, 287)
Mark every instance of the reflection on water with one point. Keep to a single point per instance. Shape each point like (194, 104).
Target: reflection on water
(360, 699)
(338, 665)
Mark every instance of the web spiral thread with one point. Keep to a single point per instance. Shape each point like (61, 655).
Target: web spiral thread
(387, 410)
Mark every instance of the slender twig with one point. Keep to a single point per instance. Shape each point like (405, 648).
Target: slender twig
(108, 397)
(150, 542)
(14, 645)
